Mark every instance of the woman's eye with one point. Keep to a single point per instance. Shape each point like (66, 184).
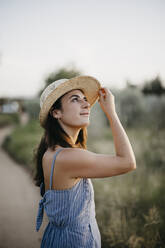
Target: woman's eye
(79, 99)
(75, 99)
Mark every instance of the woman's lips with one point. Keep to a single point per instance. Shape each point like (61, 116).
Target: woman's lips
(85, 114)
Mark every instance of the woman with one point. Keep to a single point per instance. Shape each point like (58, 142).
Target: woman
(65, 166)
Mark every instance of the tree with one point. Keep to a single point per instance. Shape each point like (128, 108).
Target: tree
(153, 87)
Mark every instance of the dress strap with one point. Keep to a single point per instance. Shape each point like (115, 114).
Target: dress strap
(52, 166)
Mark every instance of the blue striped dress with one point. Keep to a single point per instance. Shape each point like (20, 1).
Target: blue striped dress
(71, 214)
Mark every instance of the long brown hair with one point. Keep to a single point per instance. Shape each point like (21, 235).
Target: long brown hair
(54, 135)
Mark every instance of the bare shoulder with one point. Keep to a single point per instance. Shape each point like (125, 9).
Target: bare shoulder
(75, 154)
(49, 155)
(66, 155)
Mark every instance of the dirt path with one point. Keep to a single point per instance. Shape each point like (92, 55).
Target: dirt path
(18, 204)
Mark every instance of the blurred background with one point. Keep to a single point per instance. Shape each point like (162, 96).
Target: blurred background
(122, 44)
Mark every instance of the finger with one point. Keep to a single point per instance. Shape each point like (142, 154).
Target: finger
(102, 90)
(101, 95)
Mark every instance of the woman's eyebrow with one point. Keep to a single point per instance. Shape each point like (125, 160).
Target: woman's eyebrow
(76, 96)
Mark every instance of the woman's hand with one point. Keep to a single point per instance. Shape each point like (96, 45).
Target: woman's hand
(106, 100)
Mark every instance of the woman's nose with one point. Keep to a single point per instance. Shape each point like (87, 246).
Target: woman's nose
(86, 104)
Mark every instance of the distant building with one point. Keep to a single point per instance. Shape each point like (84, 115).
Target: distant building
(11, 105)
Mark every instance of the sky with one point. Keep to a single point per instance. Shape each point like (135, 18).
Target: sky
(114, 41)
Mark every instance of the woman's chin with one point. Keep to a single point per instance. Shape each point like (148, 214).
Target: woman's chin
(85, 124)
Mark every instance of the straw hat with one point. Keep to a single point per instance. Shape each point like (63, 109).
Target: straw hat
(89, 85)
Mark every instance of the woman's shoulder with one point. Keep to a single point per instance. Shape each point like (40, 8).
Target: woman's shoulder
(48, 157)
(61, 178)
(65, 155)
(50, 152)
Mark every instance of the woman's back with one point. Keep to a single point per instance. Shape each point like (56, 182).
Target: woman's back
(60, 179)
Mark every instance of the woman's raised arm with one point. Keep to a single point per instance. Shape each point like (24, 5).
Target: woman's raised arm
(82, 163)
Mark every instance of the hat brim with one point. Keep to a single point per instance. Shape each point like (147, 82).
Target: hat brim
(89, 85)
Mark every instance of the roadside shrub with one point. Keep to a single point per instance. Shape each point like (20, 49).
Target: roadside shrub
(8, 119)
(131, 107)
(22, 141)
(155, 109)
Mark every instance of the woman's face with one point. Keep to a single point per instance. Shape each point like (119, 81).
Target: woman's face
(75, 110)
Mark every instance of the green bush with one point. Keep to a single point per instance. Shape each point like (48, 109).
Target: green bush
(136, 110)
(155, 109)
(131, 108)
(21, 143)
(153, 153)
(8, 119)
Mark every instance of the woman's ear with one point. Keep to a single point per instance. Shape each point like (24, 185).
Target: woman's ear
(56, 113)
